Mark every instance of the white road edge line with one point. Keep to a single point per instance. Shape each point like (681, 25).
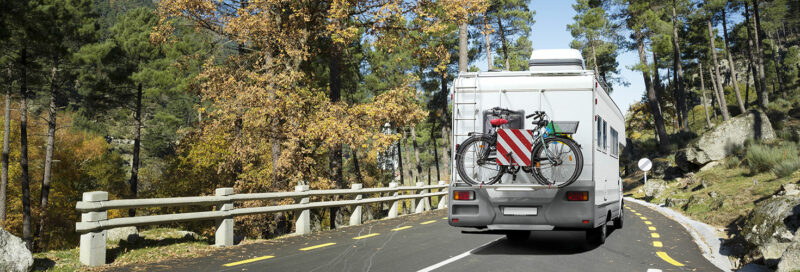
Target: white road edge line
(455, 258)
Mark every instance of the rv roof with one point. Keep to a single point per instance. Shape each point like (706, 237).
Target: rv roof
(550, 54)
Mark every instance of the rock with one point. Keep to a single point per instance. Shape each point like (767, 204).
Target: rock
(675, 202)
(751, 267)
(790, 260)
(14, 256)
(726, 137)
(188, 234)
(709, 165)
(694, 200)
(770, 226)
(789, 189)
(129, 234)
(654, 188)
(660, 166)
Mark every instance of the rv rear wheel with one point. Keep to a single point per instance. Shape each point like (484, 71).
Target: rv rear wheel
(597, 236)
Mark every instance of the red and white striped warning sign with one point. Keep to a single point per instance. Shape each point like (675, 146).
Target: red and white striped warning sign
(514, 147)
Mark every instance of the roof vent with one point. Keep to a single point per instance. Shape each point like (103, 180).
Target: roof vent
(556, 60)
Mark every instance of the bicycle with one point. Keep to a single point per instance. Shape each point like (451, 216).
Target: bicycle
(555, 160)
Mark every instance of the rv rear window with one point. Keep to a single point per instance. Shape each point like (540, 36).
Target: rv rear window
(605, 136)
(599, 132)
(614, 142)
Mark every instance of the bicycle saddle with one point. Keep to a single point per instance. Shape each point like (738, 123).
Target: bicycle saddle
(498, 122)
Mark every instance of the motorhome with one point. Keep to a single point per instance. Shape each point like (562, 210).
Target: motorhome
(558, 84)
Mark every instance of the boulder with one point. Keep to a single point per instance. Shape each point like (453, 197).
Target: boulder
(723, 139)
(789, 189)
(790, 260)
(771, 225)
(654, 188)
(675, 202)
(129, 234)
(14, 256)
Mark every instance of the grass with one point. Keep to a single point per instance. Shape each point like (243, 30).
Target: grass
(762, 157)
(154, 245)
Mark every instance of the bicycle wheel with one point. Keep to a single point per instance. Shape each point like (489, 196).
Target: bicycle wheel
(476, 162)
(564, 164)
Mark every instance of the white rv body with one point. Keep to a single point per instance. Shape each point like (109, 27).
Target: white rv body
(558, 85)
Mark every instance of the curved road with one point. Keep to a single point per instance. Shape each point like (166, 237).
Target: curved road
(648, 241)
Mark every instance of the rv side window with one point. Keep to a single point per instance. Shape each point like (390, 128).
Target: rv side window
(605, 137)
(614, 142)
(599, 132)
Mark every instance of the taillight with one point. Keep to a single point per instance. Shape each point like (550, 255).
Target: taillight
(463, 195)
(578, 196)
(457, 145)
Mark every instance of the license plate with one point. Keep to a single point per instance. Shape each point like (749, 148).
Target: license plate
(520, 211)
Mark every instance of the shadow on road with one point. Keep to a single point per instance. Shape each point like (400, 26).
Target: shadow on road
(542, 243)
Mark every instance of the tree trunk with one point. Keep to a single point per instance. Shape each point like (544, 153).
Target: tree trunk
(717, 92)
(410, 169)
(776, 61)
(657, 82)
(504, 43)
(137, 143)
(435, 151)
(416, 153)
(6, 131)
(723, 105)
(594, 60)
(759, 36)
(48, 161)
(463, 58)
(488, 43)
(751, 55)
(356, 167)
(445, 160)
(335, 155)
(733, 75)
(705, 100)
(677, 74)
(400, 162)
(23, 156)
(651, 95)
(747, 86)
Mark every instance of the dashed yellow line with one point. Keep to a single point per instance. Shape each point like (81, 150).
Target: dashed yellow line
(401, 228)
(655, 235)
(427, 222)
(248, 261)
(444, 218)
(317, 246)
(366, 236)
(643, 218)
(657, 244)
(666, 258)
(648, 222)
(638, 214)
(651, 228)
(633, 210)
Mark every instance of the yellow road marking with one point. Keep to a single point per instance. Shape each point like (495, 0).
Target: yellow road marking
(666, 258)
(248, 261)
(366, 236)
(401, 228)
(317, 246)
(648, 222)
(655, 235)
(445, 218)
(643, 218)
(651, 228)
(427, 222)
(633, 210)
(639, 214)
(657, 244)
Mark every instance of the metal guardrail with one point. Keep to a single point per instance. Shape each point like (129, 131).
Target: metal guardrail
(95, 222)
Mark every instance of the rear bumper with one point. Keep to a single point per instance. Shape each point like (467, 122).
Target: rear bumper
(553, 209)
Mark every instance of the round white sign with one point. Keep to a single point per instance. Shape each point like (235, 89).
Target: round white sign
(645, 164)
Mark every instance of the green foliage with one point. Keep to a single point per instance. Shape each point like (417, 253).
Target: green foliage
(762, 157)
(732, 162)
(785, 168)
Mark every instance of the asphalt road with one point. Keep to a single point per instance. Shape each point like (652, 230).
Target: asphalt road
(425, 242)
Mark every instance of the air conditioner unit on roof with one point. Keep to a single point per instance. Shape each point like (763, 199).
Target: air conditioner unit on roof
(556, 60)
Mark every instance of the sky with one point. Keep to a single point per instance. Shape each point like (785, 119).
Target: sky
(550, 32)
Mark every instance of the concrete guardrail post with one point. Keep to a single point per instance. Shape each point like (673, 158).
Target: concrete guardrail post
(224, 234)
(443, 198)
(93, 244)
(396, 203)
(303, 224)
(420, 206)
(355, 218)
